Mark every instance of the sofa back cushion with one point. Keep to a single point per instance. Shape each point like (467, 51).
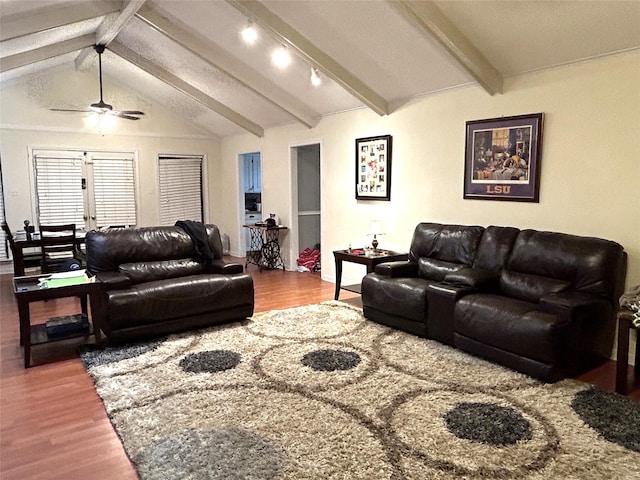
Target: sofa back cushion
(141, 272)
(433, 269)
(532, 288)
(495, 247)
(439, 249)
(107, 250)
(590, 265)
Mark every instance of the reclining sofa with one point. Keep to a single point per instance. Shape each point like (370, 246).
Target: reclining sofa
(156, 281)
(541, 303)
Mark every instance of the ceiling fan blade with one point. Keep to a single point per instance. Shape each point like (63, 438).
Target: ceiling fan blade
(131, 112)
(68, 110)
(122, 115)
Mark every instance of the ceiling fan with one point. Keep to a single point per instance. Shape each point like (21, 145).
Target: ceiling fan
(102, 107)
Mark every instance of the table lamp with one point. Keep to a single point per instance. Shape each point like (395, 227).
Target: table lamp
(375, 229)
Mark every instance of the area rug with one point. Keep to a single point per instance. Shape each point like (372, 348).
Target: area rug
(319, 392)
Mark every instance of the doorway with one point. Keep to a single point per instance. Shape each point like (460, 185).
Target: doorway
(250, 178)
(306, 199)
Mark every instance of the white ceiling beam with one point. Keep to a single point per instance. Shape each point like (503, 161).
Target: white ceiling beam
(220, 59)
(179, 84)
(49, 18)
(317, 58)
(50, 51)
(111, 27)
(428, 18)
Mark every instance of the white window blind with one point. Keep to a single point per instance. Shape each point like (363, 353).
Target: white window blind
(180, 188)
(114, 191)
(4, 250)
(90, 189)
(59, 190)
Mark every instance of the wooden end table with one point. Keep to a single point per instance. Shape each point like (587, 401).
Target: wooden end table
(625, 325)
(369, 258)
(27, 290)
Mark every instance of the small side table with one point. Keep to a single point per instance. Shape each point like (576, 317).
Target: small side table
(264, 246)
(27, 290)
(625, 325)
(369, 259)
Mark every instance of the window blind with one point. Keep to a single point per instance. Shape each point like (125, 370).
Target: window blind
(4, 250)
(90, 189)
(114, 191)
(180, 188)
(59, 190)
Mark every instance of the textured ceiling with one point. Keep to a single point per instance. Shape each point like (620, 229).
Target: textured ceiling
(188, 57)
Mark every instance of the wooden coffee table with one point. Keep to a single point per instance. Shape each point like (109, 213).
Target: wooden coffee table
(370, 259)
(27, 290)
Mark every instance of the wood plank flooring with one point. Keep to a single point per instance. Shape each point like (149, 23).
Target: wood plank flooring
(52, 422)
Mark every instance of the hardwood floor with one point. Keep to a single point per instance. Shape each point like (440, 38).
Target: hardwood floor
(52, 422)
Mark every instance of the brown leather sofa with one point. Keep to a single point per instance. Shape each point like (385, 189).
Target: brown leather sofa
(542, 303)
(155, 283)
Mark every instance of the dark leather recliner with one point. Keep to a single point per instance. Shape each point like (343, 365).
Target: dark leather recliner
(154, 284)
(542, 303)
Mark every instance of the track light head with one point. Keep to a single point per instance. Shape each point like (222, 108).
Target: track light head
(316, 81)
(249, 33)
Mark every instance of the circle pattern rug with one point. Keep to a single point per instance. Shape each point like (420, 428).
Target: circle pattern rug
(319, 392)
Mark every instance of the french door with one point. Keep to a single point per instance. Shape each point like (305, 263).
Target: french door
(91, 189)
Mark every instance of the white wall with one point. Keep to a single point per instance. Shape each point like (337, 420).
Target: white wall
(590, 180)
(590, 171)
(16, 165)
(26, 123)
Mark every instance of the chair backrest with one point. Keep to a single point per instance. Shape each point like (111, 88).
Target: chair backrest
(9, 235)
(57, 241)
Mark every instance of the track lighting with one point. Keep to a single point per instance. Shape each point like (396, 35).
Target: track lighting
(315, 78)
(281, 57)
(250, 33)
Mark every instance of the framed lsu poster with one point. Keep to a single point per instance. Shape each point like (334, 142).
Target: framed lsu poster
(502, 158)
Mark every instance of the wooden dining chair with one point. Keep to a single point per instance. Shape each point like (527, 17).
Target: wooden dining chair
(59, 248)
(30, 260)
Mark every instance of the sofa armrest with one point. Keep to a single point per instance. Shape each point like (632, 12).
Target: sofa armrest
(113, 280)
(220, 266)
(397, 269)
(477, 278)
(570, 301)
(576, 306)
(441, 304)
(588, 319)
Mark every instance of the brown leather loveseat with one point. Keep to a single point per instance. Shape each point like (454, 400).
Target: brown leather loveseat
(155, 283)
(542, 303)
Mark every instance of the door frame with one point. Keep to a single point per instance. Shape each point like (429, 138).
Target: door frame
(240, 215)
(294, 238)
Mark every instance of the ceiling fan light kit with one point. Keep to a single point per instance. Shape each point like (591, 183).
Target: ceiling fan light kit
(101, 107)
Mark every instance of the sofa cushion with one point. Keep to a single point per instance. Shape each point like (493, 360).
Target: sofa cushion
(449, 243)
(530, 287)
(592, 265)
(512, 325)
(495, 247)
(472, 277)
(154, 302)
(433, 269)
(107, 250)
(160, 270)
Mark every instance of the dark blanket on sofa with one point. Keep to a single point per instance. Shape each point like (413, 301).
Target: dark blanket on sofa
(198, 233)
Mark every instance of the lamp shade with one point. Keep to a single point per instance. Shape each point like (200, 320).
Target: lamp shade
(375, 228)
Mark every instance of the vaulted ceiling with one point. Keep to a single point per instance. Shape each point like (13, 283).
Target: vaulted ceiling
(188, 55)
